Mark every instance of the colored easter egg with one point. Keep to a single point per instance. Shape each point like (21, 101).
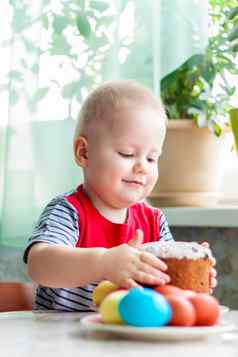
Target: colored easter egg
(168, 290)
(109, 307)
(144, 307)
(104, 288)
(183, 312)
(207, 309)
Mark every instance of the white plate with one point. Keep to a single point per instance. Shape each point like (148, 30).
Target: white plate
(93, 323)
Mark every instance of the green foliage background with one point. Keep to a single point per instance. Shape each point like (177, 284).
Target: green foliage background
(189, 91)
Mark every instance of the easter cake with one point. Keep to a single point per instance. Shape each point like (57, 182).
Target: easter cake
(188, 263)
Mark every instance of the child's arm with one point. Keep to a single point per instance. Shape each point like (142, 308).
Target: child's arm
(58, 266)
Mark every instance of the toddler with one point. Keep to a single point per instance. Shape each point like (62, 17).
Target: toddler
(95, 232)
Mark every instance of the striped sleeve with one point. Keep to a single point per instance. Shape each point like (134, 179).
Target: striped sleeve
(58, 224)
(165, 233)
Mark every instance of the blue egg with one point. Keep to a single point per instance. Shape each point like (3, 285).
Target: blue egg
(145, 308)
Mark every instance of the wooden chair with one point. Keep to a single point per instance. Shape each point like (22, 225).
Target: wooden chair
(16, 296)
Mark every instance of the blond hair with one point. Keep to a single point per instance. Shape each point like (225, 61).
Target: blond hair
(107, 98)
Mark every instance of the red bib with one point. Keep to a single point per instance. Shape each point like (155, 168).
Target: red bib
(97, 231)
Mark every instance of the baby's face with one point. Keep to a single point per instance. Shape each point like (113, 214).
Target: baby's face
(123, 154)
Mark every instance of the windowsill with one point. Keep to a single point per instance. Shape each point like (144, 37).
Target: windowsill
(220, 216)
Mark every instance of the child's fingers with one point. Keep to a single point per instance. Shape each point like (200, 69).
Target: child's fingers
(153, 261)
(213, 282)
(137, 240)
(130, 283)
(213, 261)
(213, 272)
(145, 278)
(148, 269)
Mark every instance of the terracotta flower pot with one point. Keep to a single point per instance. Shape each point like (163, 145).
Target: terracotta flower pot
(191, 166)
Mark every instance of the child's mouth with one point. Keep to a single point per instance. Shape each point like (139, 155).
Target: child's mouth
(134, 182)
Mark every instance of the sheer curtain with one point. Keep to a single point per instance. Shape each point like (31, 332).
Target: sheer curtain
(146, 40)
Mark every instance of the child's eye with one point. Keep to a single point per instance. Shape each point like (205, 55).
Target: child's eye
(151, 159)
(123, 154)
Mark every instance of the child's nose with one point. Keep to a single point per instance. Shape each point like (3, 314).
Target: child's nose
(140, 167)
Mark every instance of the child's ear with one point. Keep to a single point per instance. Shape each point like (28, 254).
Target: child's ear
(81, 151)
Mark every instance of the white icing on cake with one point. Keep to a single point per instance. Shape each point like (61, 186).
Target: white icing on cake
(178, 250)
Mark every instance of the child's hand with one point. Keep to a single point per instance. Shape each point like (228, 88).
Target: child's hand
(127, 266)
(213, 272)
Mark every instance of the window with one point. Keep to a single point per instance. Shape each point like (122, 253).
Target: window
(54, 57)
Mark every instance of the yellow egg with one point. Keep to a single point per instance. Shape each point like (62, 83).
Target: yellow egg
(104, 288)
(109, 307)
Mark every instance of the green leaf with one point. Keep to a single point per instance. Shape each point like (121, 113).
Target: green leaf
(35, 68)
(168, 80)
(216, 128)
(13, 97)
(228, 90)
(20, 19)
(29, 45)
(15, 75)
(233, 13)
(81, 3)
(209, 72)
(97, 42)
(233, 34)
(100, 6)
(194, 60)
(71, 89)
(60, 23)
(60, 45)
(40, 94)
(105, 20)
(122, 5)
(83, 25)
(45, 21)
(235, 48)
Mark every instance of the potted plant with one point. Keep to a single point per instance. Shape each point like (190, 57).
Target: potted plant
(197, 98)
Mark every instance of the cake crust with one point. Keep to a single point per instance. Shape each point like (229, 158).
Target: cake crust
(189, 274)
(188, 263)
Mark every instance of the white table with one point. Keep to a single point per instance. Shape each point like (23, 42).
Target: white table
(59, 334)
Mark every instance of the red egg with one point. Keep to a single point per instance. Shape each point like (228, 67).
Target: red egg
(183, 312)
(207, 309)
(188, 293)
(169, 290)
